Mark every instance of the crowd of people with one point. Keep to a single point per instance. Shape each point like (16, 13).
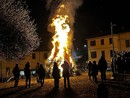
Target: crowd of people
(41, 73)
(93, 68)
(27, 71)
(121, 64)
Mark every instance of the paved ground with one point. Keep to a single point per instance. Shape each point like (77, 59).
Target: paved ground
(81, 87)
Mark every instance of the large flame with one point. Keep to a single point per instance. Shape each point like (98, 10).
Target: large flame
(62, 39)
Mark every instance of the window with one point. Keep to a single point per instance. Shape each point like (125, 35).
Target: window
(45, 56)
(110, 40)
(127, 43)
(33, 56)
(92, 43)
(103, 53)
(102, 41)
(111, 53)
(93, 54)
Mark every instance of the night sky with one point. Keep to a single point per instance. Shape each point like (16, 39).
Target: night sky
(92, 18)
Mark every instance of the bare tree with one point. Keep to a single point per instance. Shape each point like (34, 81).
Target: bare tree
(18, 35)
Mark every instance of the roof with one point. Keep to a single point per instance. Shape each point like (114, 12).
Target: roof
(103, 34)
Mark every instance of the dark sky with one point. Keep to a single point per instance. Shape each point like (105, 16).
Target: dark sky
(92, 18)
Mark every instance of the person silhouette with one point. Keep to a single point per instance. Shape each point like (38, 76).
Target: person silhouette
(89, 67)
(56, 75)
(27, 72)
(102, 91)
(16, 73)
(94, 71)
(66, 73)
(41, 74)
(102, 66)
(37, 68)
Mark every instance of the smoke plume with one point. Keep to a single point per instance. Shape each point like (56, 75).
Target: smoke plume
(70, 8)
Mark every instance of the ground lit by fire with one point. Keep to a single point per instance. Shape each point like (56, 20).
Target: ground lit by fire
(81, 87)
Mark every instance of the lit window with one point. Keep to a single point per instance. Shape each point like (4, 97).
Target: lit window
(93, 54)
(102, 41)
(92, 43)
(127, 43)
(110, 40)
(33, 56)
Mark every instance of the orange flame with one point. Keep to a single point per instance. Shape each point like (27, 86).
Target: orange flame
(62, 39)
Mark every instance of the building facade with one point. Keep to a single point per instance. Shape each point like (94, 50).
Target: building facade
(6, 67)
(105, 45)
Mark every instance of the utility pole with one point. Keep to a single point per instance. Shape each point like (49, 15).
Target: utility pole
(113, 50)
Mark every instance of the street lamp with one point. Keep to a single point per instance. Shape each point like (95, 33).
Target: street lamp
(113, 60)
